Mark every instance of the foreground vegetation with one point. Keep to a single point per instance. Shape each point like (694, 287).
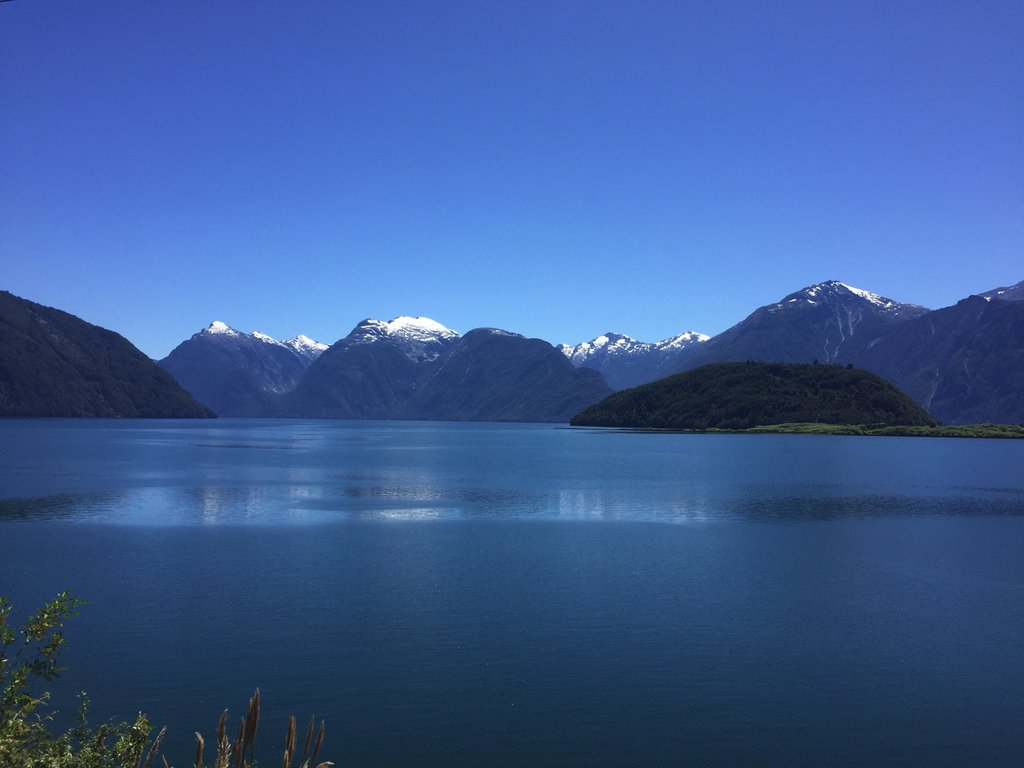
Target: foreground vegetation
(29, 658)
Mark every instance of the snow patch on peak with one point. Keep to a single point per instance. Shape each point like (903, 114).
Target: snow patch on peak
(874, 298)
(832, 291)
(1005, 293)
(217, 327)
(263, 337)
(304, 342)
(682, 340)
(417, 325)
(300, 345)
(420, 338)
(619, 345)
(306, 347)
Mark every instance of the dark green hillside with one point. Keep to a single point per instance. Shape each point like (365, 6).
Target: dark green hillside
(54, 364)
(745, 395)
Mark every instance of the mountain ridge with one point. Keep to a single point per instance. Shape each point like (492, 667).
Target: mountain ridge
(964, 362)
(237, 374)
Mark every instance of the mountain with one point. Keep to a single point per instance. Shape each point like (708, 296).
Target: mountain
(415, 368)
(625, 362)
(828, 322)
(494, 375)
(237, 374)
(964, 363)
(372, 373)
(1008, 293)
(418, 338)
(745, 395)
(55, 364)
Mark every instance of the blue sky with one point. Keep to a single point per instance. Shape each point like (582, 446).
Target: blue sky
(559, 169)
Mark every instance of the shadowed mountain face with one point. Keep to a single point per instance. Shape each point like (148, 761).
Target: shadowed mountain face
(238, 374)
(486, 375)
(55, 364)
(493, 375)
(370, 374)
(964, 363)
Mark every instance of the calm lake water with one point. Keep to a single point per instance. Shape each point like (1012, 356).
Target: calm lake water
(511, 595)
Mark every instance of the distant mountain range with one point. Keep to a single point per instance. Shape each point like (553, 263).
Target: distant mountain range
(625, 362)
(964, 363)
(406, 368)
(54, 364)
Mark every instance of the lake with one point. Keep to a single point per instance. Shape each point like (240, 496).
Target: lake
(509, 595)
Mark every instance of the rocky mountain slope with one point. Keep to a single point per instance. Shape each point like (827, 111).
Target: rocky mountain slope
(238, 374)
(964, 363)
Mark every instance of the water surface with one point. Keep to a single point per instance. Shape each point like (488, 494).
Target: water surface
(454, 594)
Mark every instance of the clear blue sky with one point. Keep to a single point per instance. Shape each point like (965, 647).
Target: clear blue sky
(559, 169)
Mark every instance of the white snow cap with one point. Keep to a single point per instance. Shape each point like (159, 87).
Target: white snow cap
(218, 327)
(874, 298)
(419, 338)
(416, 326)
(304, 342)
(621, 345)
(833, 290)
(303, 345)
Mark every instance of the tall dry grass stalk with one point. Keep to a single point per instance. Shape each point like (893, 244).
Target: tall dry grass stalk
(240, 753)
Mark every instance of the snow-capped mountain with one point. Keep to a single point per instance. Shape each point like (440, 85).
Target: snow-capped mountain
(626, 362)
(962, 362)
(300, 345)
(306, 347)
(233, 372)
(419, 338)
(415, 368)
(855, 303)
(828, 322)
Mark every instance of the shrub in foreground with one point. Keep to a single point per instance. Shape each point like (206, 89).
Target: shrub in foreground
(29, 661)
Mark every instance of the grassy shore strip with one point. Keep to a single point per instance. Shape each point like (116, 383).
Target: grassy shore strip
(1000, 431)
(991, 431)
